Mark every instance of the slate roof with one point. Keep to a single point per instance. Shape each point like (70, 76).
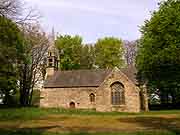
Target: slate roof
(77, 78)
(84, 78)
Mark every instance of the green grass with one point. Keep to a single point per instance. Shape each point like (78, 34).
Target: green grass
(34, 113)
(21, 114)
(38, 121)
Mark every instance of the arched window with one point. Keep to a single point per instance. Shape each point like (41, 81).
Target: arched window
(92, 97)
(117, 94)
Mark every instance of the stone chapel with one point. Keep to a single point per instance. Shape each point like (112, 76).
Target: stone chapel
(102, 89)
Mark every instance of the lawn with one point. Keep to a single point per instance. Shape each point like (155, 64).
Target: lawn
(36, 121)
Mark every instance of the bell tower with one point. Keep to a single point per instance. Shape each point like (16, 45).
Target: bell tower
(52, 58)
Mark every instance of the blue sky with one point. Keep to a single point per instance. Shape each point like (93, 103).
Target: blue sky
(93, 19)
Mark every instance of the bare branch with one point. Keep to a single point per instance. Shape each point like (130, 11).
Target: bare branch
(37, 44)
(10, 8)
(130, 51)
(18, 12)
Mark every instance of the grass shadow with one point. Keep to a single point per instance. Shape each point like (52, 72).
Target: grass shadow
(37, 131)
(156, 123)
(26, 131)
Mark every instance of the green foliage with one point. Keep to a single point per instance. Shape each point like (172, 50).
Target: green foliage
(109, 53)
(11, 47)
(158, 58)
(87, 59)
(69, 51)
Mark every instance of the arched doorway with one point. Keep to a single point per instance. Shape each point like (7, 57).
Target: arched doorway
(72, 105)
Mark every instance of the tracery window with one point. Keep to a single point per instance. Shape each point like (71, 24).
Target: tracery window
(117, 94)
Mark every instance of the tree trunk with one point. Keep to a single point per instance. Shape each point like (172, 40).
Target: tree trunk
(163, 98)
(24, 87)
(173, 95)
(6, 98)
(30, 98)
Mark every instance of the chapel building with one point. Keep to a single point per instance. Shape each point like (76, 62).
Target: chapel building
(102, 89)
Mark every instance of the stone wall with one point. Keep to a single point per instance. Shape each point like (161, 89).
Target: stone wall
(49, 72)
(132, 99)
(62, 97)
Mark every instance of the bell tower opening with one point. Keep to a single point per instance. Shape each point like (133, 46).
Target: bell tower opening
(52, 61)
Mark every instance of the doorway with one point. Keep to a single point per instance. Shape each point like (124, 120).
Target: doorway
(72, 105)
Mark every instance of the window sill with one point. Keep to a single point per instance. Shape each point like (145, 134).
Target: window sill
(93, 103)
(118, 105)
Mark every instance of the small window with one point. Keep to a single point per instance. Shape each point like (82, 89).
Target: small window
(92, 97)
(50, 54)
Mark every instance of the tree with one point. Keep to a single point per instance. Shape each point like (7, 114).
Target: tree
(158, 60)
(9, 8)
(130, 52)
(20, 53)
(11, 46)
(87, 60)
(32, 65)
(15, 9)
(109, 53)
(69, 51)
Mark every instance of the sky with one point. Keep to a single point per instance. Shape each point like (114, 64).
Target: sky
(94, 19)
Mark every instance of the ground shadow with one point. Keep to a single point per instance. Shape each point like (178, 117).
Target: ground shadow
(25, 131)
(39, 131)
(156, 123)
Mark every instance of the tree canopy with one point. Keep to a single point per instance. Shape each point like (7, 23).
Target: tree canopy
(106, 53)
(11, 50)
(109, 53)
(158, 60)
(87, 60)
(69, 51)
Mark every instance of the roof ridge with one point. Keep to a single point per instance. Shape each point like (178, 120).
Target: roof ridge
(76, 70)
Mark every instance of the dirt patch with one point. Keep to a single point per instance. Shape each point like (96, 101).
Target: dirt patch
(74, 123)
